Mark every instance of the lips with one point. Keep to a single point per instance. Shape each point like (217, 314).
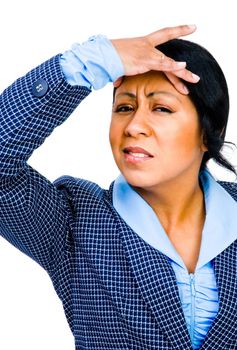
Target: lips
(137, 152)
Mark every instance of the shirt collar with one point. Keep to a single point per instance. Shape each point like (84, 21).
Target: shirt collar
(220, 228)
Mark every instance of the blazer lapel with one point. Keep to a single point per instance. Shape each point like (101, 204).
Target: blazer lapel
(224, 327)
(157, 283)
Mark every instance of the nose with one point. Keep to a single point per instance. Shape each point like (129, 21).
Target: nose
(138, 124)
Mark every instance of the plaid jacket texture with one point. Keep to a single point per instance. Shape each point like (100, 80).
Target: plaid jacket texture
(118, 292)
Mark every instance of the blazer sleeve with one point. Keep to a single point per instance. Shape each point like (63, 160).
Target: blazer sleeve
(33, 214)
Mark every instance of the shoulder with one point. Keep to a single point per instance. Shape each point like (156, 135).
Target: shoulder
(79, 190)
(230, 187)
(73, 184)
(87, 204)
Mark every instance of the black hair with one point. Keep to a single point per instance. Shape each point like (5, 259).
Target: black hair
(210, 95)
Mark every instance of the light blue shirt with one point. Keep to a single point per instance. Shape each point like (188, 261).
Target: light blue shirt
(93, 64)
(198, 292)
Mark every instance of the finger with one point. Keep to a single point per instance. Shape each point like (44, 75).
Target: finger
(166, 34)
(177, 83)
(163, 63)
(158, 61)
(186, 75)
(118, 82)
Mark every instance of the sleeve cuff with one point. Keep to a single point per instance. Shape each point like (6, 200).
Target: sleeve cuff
(93, 63)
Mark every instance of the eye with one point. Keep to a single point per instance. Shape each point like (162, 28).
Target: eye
(124, 109)
(162, 109)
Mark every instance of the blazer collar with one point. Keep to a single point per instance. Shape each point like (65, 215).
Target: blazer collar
(157, 282)
(219, 231)
(220, 228)
(225, 324)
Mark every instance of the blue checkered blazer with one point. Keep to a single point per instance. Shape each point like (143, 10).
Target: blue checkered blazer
(118, 292)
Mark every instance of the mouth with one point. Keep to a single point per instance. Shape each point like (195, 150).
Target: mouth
(136, 154)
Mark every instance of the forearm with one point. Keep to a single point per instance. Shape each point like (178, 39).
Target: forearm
(33, 215)
(27, 119)
(93, 63)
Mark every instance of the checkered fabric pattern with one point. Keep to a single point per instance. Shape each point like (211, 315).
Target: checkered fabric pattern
(118, 292)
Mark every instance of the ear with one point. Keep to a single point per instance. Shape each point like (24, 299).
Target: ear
(204, 148)
(203, 143)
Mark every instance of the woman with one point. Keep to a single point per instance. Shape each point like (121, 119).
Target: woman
(150, 263)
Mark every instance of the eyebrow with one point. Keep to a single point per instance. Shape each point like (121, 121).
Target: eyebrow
(151, 94)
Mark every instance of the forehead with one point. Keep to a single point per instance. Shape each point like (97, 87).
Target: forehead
(145, 83)
(153, 84)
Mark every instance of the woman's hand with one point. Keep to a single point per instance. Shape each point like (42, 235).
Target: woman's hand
(139, 55)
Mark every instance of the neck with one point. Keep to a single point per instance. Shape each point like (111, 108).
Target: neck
(176, 203)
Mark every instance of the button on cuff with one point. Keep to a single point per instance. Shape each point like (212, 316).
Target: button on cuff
(40, 88)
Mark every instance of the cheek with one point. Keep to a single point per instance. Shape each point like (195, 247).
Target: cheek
(181, 142)
(111, 134)
(114, 134)
(191, 139)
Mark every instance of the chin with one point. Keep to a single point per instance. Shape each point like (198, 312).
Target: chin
(139, 180)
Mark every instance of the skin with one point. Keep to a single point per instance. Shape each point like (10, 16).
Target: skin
(158, 146)
(139, 55)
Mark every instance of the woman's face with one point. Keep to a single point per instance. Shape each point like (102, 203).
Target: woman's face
(154, 133)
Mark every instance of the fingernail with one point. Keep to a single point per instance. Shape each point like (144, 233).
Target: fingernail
(181, 64)
(192, 26)
(185, 89)
(196, 78)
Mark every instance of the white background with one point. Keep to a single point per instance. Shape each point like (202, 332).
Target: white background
(31, 315)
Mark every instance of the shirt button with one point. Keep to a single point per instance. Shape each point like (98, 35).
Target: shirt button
(40, 88)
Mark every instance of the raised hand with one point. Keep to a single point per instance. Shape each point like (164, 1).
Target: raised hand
(139, 55)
